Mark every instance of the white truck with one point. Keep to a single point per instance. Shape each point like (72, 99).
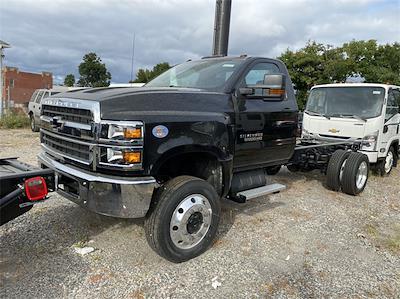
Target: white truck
(357, 111)
(35, 103)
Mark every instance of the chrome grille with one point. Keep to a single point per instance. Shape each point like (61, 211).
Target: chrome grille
(81, 116)
(71, 129)
(66, 147)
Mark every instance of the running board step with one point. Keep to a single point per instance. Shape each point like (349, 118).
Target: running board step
(261, 191)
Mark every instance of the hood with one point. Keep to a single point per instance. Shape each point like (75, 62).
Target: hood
(163, 103)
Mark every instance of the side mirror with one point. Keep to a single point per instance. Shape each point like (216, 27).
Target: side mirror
(246, 91)
(273, 86)
(274, 81)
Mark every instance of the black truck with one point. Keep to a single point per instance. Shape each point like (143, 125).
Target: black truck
(201, 131)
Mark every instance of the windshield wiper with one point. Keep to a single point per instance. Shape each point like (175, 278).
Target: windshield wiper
(350, 115)
(317, 114)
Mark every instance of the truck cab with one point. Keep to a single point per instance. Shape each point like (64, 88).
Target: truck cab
(366, 112)
(170, 150)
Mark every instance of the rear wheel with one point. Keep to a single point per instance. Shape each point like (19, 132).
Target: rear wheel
(355, 173)
(34, 128)
(183, 219)
(335, 169)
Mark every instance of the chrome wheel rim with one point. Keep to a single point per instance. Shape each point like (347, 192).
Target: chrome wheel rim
(190, 221)
(362, 174)
(32, 123)
(388, 162)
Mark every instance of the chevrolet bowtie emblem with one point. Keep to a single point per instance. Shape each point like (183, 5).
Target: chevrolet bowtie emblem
(333, 131)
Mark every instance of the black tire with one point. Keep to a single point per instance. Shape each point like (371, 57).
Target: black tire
(273, 170)
(34, 127)
(335, 166)
(383, 171)
(166, 200)
(352, 183)
(293, 168)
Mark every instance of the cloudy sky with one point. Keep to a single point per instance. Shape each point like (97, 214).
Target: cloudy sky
(53, 35)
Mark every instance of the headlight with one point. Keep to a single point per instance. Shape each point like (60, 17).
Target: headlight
(121, 131)
(124, 131)
(369, 142)
(121, 144)
(123, 156)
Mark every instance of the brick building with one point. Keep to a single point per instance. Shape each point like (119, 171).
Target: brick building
(19, 86)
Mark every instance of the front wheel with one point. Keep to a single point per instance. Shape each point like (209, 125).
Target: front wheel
(183, 220)
(355, 173)
(34, 128)
(386, 166)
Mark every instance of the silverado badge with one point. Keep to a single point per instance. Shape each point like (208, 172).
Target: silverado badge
(334, 131)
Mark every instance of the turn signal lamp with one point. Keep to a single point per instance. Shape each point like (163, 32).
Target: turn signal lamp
(35, 188)
(277, 92)
(132, 157)
(132, 133)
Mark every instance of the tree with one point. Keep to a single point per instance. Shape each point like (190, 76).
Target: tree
(375, 63)
(318, 64)
(69, 80)
(93, 73)
(315, 64)
(145, 75)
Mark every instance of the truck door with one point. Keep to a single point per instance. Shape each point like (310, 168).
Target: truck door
(266, 128)
(391, 128)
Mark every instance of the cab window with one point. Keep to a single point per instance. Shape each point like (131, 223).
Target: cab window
(257, 73)
(33, 97)
(46, 94)
(39, 97)
(396, 94)
(392, 106)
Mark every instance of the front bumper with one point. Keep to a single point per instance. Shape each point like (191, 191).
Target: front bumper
(124, 197)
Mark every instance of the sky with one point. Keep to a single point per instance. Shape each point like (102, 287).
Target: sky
(54, 35)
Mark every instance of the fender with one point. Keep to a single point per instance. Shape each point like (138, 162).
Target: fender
(223, 157)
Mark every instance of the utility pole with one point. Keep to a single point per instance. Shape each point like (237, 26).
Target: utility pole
(133, 56)
(221, 27)
(3, 45)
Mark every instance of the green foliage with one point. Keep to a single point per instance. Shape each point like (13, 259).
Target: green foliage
(318, 64)
(69, 80)
(145, 75)
(93, 73)
(14, 119)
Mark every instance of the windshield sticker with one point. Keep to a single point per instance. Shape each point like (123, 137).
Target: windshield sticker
(228, 65)
(376, 92)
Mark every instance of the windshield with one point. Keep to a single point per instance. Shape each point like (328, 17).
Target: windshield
(204, 74)
(357, 102)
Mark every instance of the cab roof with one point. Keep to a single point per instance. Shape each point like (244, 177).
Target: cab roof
(385, 86)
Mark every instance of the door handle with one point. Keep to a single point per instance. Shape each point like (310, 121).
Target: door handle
(283, 124)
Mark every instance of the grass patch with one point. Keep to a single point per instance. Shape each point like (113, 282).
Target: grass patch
(386, 237)
(393, 243)
(371, 230)
(14, 119)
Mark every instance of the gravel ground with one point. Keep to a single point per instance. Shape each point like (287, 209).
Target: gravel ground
(305, 242)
